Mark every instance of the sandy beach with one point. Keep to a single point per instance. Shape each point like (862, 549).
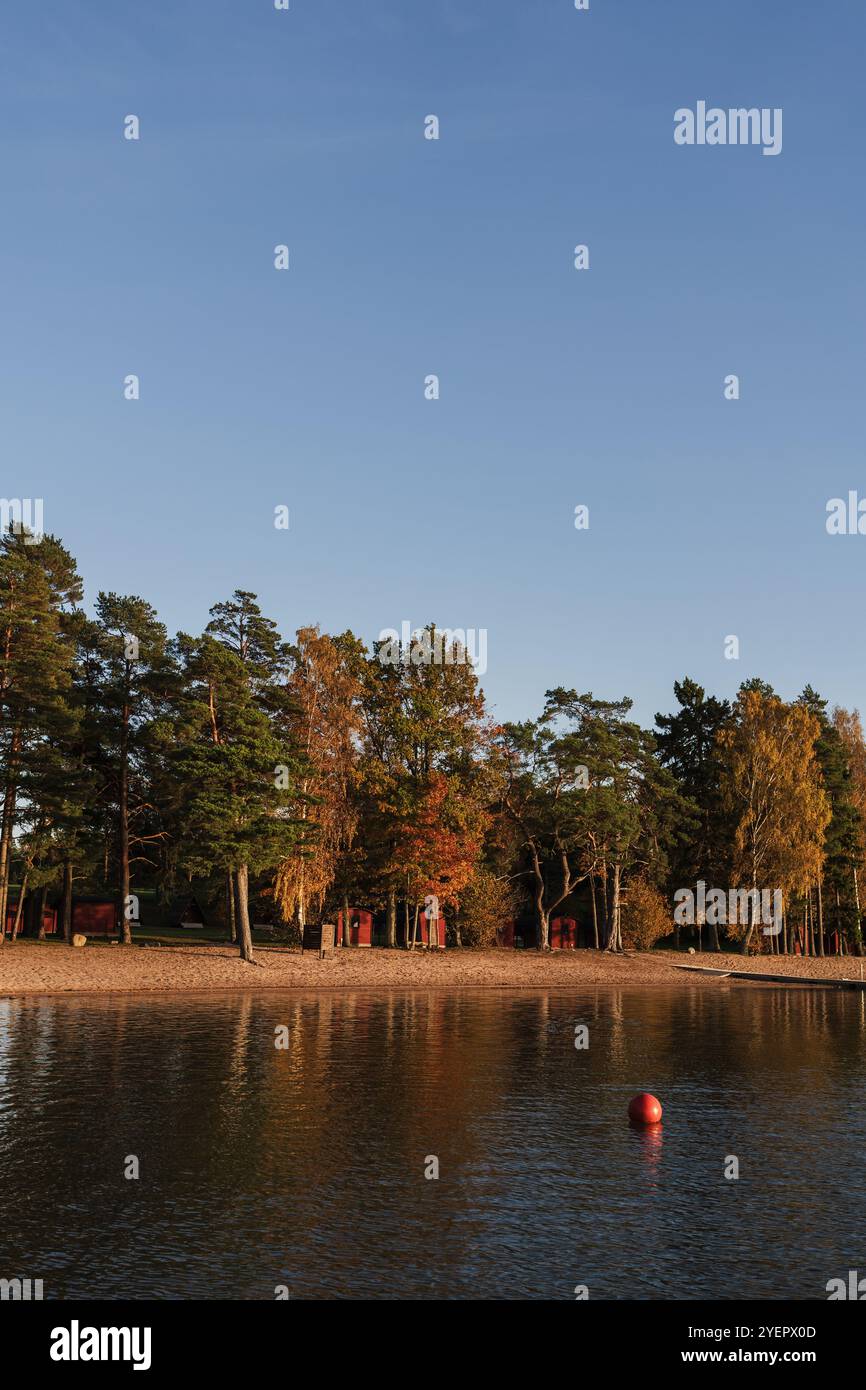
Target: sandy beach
(39, 968)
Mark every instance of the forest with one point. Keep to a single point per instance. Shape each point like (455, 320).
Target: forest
(283, 780)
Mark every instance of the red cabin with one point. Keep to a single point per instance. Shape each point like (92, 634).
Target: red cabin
(424, 933)
(94, 916)
(49, 919)
(563, 934)
(360, 927)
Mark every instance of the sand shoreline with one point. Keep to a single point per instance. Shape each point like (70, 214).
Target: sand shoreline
(32, 968)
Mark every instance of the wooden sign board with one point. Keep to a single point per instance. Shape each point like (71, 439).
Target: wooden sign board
(329, 938)
(319, 938)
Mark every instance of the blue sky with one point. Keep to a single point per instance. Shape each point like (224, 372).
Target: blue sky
(411, 257)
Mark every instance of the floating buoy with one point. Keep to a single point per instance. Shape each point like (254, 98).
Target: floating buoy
(644, 1109)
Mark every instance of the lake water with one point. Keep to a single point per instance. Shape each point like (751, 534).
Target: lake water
(305, 1167)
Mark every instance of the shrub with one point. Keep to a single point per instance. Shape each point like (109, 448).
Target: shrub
(485, 903)
(646, 916)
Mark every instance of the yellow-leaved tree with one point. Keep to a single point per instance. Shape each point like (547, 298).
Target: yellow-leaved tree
(772, 786)
(325, 719)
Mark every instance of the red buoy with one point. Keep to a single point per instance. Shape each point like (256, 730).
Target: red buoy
(644, 1109)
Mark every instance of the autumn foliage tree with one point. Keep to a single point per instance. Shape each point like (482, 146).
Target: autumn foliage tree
(424, 742)
(771, 783)
(324, 687)
(439, 847)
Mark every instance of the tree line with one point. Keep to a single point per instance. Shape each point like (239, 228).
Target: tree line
(306, 775)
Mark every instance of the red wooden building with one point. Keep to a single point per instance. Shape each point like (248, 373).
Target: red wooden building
(521, 934)
(49, 919)
(425, 933)
(563, 934)
(360, 927)
(94, 916)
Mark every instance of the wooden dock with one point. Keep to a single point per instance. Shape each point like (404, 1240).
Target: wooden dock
(823, 983)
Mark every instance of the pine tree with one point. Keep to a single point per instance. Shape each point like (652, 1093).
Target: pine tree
(128, 675)
(39, 588)
(848, 862)
(688, 745)
(235, 766)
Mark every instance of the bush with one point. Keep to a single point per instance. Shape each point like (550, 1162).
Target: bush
(485, 903)
(646, 916)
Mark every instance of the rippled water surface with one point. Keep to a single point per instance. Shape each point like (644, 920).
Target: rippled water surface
(305, 1167)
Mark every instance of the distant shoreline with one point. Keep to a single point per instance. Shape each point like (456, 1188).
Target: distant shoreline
(33, 968)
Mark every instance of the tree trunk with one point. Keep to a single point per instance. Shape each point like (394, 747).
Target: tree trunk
(858, 940)
(594, 910)
(615, 939)
(543, 929)
(805, 926)
(406, 934)
(67, 901)
(40, 908)
(19, 909)
(712, 928)
(347, 929)
(542, 923)
(230, 906)
(820, 919)
(391, 930)
(415, 929)
(244, 934)
(125, 927)
(9, 800)
(744, 949)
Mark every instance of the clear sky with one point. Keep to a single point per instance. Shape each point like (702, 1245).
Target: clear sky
(410, 257)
